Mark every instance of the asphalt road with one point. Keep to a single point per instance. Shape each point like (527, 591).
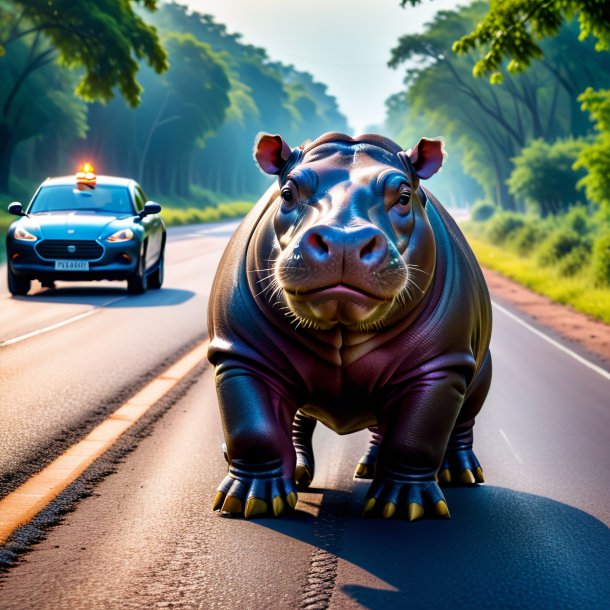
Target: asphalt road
(535, 535)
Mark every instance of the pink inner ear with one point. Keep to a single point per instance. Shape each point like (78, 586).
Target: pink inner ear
(427, 157)
(271, 153)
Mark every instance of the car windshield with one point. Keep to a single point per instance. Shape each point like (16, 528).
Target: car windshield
(100, 198)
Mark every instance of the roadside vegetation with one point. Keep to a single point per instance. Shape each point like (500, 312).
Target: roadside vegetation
(520, 91)
(167, 96)
(564, 257)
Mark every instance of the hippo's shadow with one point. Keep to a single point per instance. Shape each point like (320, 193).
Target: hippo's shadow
(501, 549)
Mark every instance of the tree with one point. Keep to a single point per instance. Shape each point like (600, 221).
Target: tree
(265, 96)
(595, 157)
(178, 112)
(105, 38)
(513, 29)
(544, 178)
(493, 124)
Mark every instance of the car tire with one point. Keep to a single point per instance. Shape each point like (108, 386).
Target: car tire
(155, 279)
(17, 286)
(137, 283)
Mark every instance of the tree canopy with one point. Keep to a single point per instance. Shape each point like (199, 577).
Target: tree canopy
(514, 29)
(185, 128)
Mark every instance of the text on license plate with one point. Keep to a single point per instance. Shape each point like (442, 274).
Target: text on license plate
(71, 265)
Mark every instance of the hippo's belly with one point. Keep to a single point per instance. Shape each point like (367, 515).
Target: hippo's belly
(343, 415)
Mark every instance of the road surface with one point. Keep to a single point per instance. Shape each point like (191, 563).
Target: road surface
(139, 531)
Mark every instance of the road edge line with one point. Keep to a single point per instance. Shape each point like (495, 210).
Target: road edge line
(24, 503)
(566, 350)
(47, 329)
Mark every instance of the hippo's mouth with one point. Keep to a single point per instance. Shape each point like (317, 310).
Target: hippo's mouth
(338, 292)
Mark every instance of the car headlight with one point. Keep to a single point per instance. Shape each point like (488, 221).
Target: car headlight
(24, 235)
(122, 235)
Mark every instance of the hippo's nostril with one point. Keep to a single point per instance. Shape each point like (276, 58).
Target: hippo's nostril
(374, 250)
(317, 244)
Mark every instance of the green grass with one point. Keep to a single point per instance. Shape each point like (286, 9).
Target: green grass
(577, 291)
(222, 211)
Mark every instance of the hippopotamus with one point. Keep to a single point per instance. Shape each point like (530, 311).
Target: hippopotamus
(349, 296)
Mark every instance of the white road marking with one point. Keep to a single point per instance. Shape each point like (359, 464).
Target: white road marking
(605, 374)
(510, 446)
(47, 329)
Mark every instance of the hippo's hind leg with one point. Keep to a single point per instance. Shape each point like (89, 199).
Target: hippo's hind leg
(460, 464)
(416, 427)
(302, 434)
(261, 457)
(368, 462)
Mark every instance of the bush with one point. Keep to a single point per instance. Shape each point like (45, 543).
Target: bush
(558, 244)
(574, 261)
(601, 260)
(482, 210)
(223, 211)
(502, 224)
(543, 175)
(527, 238)
(578, 219)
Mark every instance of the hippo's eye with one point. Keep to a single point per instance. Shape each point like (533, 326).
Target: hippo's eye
(288, 195)
(405, 198)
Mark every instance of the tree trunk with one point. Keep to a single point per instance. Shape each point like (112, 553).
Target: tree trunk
(7, 147)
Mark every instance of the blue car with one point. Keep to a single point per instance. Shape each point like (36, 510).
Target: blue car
(86, 227)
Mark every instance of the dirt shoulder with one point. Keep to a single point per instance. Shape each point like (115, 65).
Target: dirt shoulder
(591, 335)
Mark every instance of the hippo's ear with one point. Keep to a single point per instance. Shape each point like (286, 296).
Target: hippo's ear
(271, 153)
(427, 156)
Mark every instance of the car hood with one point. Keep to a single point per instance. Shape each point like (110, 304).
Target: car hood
(78, 225)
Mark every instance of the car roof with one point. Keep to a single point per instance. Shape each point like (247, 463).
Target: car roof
(71, 180)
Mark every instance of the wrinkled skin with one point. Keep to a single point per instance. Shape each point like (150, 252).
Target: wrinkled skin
(349, 296)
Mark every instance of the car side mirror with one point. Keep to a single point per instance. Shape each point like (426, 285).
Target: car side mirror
(150, 207)
(16, 209)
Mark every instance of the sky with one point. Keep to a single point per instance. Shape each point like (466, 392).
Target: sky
(345, 44)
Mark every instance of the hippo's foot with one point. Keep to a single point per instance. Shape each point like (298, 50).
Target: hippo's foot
(253, 493)
(304, 471)
(366, 467)
(392, 496)
(460, 467)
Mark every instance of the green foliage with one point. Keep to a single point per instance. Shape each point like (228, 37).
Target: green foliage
(491, 125)
(482, 210)
(574, 261)
(578, 219)
(577, 290)
(502, 224)
(595, 157)
(558, 244)
(513, 29)
(223, 211)
(543, 176)
(104, 37)
(601, 259)
(197, 123)
(528, 237)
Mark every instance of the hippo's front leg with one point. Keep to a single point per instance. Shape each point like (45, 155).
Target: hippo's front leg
(257, 424)
(416, 428)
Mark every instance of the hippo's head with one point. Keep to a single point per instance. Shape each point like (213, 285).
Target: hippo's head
(351, 242)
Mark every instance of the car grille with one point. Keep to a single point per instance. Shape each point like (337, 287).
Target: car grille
(62, 249)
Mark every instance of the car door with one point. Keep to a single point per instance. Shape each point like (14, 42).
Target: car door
(153, 230)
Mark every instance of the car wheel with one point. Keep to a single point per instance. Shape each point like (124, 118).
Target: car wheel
(155, 279)
(137, 283)
(17, 286)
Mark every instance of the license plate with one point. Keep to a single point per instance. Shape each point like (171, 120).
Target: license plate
(71, 265)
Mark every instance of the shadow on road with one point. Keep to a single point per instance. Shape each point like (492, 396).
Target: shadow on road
(109, 297)
(501, 549)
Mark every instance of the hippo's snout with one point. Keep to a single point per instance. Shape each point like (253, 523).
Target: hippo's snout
(349, 275)
(364, 247)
